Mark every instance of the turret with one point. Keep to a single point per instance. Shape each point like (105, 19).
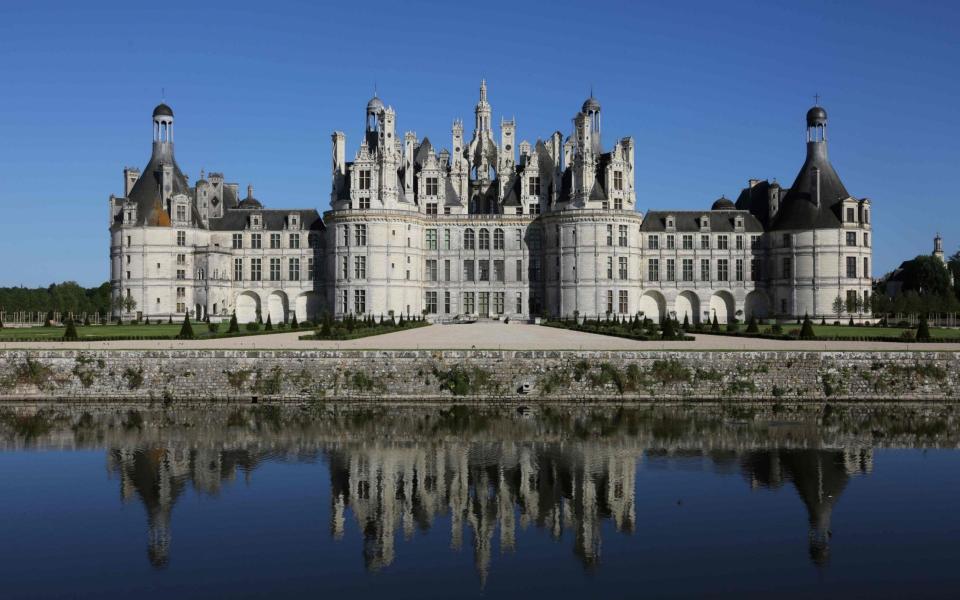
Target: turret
(339, 164)
(163, 130)
(938, 248)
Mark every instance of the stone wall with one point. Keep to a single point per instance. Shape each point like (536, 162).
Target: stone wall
(229, 375)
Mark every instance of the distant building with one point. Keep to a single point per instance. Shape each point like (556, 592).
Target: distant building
(492, 228)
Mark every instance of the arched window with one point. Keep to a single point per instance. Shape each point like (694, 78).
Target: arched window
(468, 239)
(498, 239)
(484, 239)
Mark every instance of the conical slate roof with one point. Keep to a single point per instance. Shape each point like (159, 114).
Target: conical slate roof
(146, 191)
(799, 209)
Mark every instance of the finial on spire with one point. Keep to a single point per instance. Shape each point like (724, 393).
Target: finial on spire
(591, 90)
(483, 90)
(375, 89)
(816, 99)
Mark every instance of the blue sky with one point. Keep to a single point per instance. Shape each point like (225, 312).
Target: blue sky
(713, 92)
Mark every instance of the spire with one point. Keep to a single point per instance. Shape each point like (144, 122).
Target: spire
(483, 90)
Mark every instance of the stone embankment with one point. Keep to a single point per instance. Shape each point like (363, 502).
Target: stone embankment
(474, 375)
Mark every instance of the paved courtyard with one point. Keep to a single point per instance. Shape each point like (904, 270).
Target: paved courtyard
(483, 335)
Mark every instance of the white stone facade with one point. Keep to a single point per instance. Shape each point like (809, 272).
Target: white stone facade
(493, 228)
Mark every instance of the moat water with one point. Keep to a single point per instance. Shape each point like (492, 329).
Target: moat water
(384, 502)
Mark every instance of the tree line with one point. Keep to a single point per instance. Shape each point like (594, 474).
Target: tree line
(66, 297)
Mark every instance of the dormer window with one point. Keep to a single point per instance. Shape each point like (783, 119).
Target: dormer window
(670, 222)
(256, 221)
(534, 186)
(705, 222)
(738, 223)
(432, 186)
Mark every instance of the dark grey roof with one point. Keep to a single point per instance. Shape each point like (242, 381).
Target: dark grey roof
(146, 191)
(799, 209)
(688, 221)
(421, 153)
(816, 116)
(249, 204)
(162, 110)
(451, 196)
(273, 219)
(375, 104)
(722, 203)
(591, 104)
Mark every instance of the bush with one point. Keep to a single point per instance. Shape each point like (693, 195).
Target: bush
(213, 327)
(269, 325)
(923, 330)
(307, 325)
(170, 320)
(253, 326)
(668, 332)
(71, 332)
(715, 327)
(186, 330)
(752, 326)
(806, 331)
(850, 322)
(234, 326)
(776, 328)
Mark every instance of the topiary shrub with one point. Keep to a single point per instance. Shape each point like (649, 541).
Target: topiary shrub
(752, 326)
(923, 330)
(213, 327)
(71, 332)
(806, 331)
(186, 330)
(293, 323)
(234, 326)
(269, 325)
(170, 320)
(667, 331)
(715, 327)
(253, 326)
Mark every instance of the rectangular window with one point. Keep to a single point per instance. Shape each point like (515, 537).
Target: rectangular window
(430, 302)
(851, 215)
(739, 239)
(618, 203)
(446, 303)
(687, 269)
(363, 202)
(671, 269)
(484, 268)
(181, 274)
(274, 269)
(786, 240)
(671, 242)
(295, 241)
(738, 270)
(721, 242)
(181, 292)
(431, 239)
(468, 303)
(360, 267)
(754, 241)
(534, 208)
(755, 269)
(618, 181)
(519, 269)
(360, 301)
(653, 242)
(623, 302)
(534, 186)
(432, 208)
(468, 270)
(498, 270)
(723, 270)
(851, 238)
(181, 238)
(446, 239)
(704, 269)
(255, 241)
(688, 242)
(363, 179)
(446, 270)
(432, 186)
(609, 235)
(468, 239)
(704, 242)
(866, 267)
(181, 212)
(238, 269)
(609, 267)
(498, 239)
(344, 268)
(484, 239)
(345, 235)
(310, 269)
(255, 271)
(483, 303)
(851, 266)
(498, 303)
(609, 301)
(623, 267)
(787, 268)
(653, 269)
(866, 240)
(274, 241)
(238, 240)
(431, 269)
(536, 271)
(359, 235)
(343, 301)
(622, 230)
(293, 269)
(181, 259)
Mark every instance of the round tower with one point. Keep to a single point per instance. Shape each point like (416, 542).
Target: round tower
(162, 124)
(817, 124)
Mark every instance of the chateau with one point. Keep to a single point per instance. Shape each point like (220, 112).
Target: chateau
(490, 227)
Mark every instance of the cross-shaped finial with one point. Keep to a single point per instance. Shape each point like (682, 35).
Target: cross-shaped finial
(374, 89)
(816, 99)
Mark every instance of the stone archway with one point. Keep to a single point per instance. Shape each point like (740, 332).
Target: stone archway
(722, 306)
(248, 304)
(277, 307)
(653, 305)
(757, 305)
(308, 307)
(687, 304)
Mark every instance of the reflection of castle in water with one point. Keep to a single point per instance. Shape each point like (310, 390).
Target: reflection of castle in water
(482, 487)
(160, 475)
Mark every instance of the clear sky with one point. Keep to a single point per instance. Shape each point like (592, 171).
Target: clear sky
(713, 92)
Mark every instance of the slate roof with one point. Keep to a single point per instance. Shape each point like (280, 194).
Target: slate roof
(146, 191)
(274, 219)
(688, 221)
(798, 209)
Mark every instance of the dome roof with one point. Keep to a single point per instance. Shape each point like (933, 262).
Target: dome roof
(723, 203)
(816, 116)
(249, 203)
(375, 104)
(590, 105)
(162, 110)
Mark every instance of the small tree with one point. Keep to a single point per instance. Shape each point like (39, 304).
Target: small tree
(686, 322)
(170, 320)
(325, 328)
(269, 325)
(186, 330)
(923, 329)
(752, 325)
(667, 331)
(86, 321)
(716, 324)
(146, 320)
(71, 332)
(806, 331)
(234, 325)
(293, 323)
(838, 306)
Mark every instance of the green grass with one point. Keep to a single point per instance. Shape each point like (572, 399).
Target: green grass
(120, 331)
(842, 331)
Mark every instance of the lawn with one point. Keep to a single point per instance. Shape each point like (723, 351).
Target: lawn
(122, 331)
(842, 331)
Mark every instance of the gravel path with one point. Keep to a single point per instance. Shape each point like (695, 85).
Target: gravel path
(483, 335)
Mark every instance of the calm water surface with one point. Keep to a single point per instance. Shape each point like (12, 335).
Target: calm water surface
(434, 503)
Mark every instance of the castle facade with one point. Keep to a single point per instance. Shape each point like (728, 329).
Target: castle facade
(491, 227)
